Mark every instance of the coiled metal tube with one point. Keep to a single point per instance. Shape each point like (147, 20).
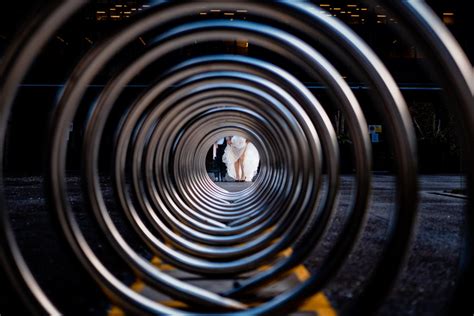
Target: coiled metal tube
(161, 139)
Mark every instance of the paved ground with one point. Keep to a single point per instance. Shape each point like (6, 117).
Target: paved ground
(423, 288)
(234, 186)
(428, 276)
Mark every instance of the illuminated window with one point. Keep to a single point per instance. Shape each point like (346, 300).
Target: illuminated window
(448, 18)
(101, 15)
(381, 19)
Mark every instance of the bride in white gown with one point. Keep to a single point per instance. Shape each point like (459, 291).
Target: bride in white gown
(241, 158)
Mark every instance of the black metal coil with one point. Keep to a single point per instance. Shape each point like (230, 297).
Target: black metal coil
(162, 137)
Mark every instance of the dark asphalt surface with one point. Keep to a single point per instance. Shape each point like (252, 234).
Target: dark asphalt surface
(423, 288)
(428, 276)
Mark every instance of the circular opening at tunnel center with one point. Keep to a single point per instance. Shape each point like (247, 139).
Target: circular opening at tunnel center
(233, 162)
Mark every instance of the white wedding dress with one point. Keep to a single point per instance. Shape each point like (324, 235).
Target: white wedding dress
(234, 151)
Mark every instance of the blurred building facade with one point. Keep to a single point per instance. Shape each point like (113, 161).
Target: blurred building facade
(435, 130)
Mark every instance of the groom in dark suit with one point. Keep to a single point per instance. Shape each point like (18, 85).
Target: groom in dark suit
(220, 169)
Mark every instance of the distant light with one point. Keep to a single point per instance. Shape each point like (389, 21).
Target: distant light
(337, 9)
(215, 10)
(118, 5)
(241, 11)
(324, 5)
(146, 5)
(448, 18)
(352, 5)
(203, 13)
(100, 12)
(228, 13)
(133, 9)
(115, 16)
(381, 16)
(354, 15)
(128, 12)
(363, 9)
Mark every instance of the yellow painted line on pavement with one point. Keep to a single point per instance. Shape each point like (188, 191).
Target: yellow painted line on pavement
(301, 273)
(317, 303)
(115, 311)
(161, 265)
(174, 304)
(285, 253)
(138, 286)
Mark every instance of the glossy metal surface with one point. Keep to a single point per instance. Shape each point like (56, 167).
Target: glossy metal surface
(163, 136)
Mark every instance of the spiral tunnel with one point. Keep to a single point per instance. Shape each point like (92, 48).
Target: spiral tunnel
(155, 182)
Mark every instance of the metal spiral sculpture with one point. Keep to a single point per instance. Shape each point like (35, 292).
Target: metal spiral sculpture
(161, 139)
